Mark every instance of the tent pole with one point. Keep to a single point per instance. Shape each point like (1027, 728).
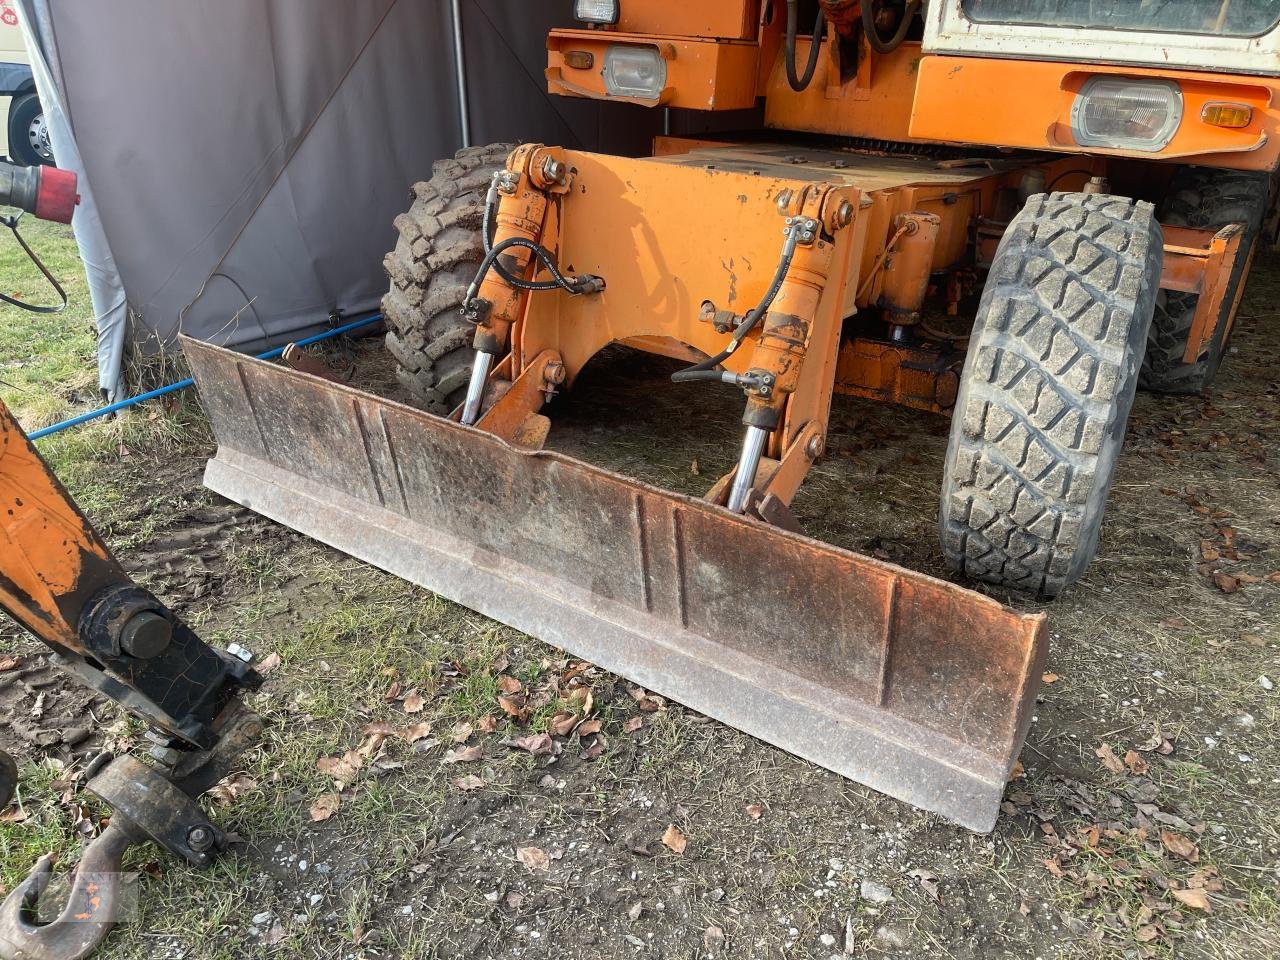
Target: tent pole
(464, 113)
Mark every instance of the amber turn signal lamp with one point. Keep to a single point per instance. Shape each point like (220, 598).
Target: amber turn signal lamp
(579, 59)
(1232, 115)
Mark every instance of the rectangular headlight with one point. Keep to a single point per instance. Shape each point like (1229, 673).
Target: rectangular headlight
(595, 11)
(1125, 114)
(632, 70)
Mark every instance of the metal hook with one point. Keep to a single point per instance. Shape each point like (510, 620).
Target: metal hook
(92, 908)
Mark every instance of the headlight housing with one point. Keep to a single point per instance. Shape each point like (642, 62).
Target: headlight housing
(1124, 114)
(634, 70)
(596, 11)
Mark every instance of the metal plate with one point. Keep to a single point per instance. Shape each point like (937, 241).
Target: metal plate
(913, 686)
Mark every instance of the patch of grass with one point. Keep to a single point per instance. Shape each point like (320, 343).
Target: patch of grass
(47, 826)
(48, 368)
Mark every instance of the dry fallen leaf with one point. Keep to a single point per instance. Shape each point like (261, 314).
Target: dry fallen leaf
(268, 664)
(413, 702)
(1157, 742)
(324, 807)
(230, 788)
(1136, 763)
(461, 733)
(1195, 898)
(588, 727)
(632, 725)
(469, 782)
(514, 707)
(1180, 846)
(488, 723)
(562, 724)
(509, 684)
(1050, 678)
(1147, 933)
(1208, 552)
(536, 743)
(463, 754)
(1225, 582)
(1109, 758)
(9, 663)
(342, 769)
(673, 839)
(637, 908)
(415, 732)
(755, 811)
(534, 858)
(928, 881)
(1018, 771)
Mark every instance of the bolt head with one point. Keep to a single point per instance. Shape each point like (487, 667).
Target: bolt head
(844, 213)
(554, 170)
(816, 448)
(784, 200)
(200, 839)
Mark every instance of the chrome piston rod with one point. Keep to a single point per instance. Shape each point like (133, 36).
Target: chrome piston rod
(475, 387)
(753, 445)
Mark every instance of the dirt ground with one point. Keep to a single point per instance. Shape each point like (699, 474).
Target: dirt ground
(383, 816)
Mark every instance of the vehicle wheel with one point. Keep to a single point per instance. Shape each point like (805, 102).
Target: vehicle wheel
(435, 259)
(28, 132)
(1208, 200)
(1046, 390)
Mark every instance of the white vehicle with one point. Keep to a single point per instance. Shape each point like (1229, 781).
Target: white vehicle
(24, 130)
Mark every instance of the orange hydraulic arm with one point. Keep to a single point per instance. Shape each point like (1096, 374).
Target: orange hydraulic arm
(59, 580)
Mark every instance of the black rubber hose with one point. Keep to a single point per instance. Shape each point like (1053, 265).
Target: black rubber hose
(486, 234)
(705, 369)
(874, 40)
(490, 261)
(12, 224)
(800, 83)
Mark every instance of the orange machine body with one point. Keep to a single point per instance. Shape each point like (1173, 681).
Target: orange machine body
(954, 142)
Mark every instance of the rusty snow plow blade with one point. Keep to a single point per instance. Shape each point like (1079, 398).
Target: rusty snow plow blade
(918, 688)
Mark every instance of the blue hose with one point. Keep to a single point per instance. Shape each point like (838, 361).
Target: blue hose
(183, 384)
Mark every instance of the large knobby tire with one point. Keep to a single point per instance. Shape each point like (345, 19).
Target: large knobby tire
(1046, 390)
(1208, 200)
(435, 259)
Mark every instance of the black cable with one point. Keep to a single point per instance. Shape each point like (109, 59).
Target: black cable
(705, 369)
(12, 224)
(1066, 173)
(800, 83)
(877, 42)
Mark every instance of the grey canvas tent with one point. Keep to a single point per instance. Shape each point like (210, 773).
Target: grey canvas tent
(241, 161)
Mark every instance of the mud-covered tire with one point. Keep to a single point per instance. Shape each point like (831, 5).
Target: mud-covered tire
(1046, 390)
(1208, 200)
(436, 256)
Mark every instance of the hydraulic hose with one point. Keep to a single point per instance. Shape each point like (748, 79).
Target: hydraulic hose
(559, 281)
(799, 83)
(874, 40)
(486, 233)
(705, 369)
